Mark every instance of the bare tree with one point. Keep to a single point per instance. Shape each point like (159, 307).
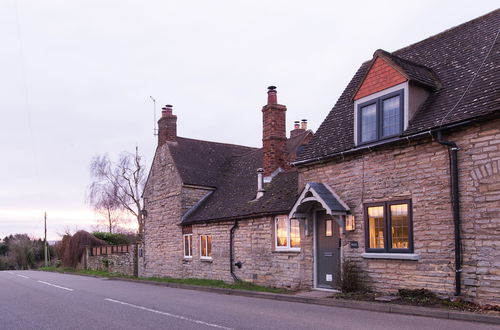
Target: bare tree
(118, 186)
(102, 198)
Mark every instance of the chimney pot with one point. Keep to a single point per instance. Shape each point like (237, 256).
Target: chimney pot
(166, 110)
(167, 125)
(303, 124)
(271, 95)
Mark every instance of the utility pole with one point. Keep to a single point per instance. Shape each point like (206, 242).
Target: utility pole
(45, 240)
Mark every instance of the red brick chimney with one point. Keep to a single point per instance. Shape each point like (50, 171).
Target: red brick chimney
(167, 126)
(274, 133)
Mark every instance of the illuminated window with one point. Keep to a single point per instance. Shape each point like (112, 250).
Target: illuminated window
(188, 245)
(389, 227)
(287, 233)
(206, 246)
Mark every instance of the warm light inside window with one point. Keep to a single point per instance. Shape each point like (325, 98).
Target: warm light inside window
(376, 225)
(281, 232)
(294, 233)
(287, 232)
(206, 246)
(399, 226)
(328, 228)
(350, 223)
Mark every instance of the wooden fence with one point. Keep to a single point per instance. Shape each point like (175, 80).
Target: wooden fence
(109, 249)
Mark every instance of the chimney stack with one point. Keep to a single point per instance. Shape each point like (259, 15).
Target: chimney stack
(303, 124)
(296, 129)
(167, 126)
(274, 133)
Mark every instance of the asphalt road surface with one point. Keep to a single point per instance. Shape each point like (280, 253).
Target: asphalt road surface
(40, 300)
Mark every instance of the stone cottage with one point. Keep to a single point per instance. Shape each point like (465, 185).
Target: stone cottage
(212, 207)
(412, 148)
(402, 178)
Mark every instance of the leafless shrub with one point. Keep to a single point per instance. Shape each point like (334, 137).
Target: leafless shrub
(73, 247)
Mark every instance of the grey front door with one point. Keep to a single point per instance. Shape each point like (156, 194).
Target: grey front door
(327, 251)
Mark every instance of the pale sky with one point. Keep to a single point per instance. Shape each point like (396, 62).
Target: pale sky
(76, 77)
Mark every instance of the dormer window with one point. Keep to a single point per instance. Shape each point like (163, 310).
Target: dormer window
(381, 117)
(388, 97)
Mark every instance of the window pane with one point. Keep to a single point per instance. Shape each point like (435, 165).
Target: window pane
(328, 228)
(281, 235)
(190, 238)
(203, 245)
(391, 114)
(376, 226)
(400, 225)
(294, 233)
(369, 123)
(209, 245)
(186, 245)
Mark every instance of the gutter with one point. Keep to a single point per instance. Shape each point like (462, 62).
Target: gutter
(454, 190)
(370, 147)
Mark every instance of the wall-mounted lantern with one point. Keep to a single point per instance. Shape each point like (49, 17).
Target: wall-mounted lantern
(350, 223)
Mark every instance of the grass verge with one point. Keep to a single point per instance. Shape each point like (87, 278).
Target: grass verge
(188, 281)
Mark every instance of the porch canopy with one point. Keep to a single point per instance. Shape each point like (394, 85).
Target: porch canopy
(314, 193)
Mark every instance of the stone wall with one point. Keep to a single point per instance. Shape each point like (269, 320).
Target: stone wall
(420, 172)
(122, 263)
(162, 249)
(253, 247)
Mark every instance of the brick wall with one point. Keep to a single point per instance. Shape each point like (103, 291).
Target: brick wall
(381, 76)
(420, 172)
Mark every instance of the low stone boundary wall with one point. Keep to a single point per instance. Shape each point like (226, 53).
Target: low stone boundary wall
(112, 258)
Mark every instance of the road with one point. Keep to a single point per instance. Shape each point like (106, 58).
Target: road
(40, 300)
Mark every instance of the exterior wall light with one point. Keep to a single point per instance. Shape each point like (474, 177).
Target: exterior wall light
(350, 223)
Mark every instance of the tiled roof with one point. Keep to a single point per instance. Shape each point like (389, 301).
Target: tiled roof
(414, 72)
(465, 59)
(232, 171)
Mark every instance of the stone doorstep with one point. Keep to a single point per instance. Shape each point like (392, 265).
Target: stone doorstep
(343, 303)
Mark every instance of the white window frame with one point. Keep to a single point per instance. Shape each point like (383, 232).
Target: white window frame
(201, 248)
(288, 243)
(186, 256)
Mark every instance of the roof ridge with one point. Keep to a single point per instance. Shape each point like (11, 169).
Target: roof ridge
(440, 34)
(220, 143)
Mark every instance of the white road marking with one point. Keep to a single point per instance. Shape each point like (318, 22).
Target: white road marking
(56, 286)
(168, 314)
(22, 276)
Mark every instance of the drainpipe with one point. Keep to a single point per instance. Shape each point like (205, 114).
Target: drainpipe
(231, 251)
(453, 152)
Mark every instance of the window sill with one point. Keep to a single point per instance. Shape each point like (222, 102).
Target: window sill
(398, 256)
(188, 258)
(293, 251)
(209, 260)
